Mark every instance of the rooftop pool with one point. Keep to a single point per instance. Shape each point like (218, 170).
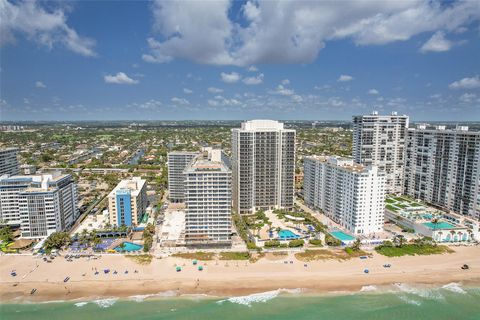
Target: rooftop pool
(342, 236)
(440, 225)
(287, 235)
(128, 247)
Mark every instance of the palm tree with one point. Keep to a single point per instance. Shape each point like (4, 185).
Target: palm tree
(356, 245)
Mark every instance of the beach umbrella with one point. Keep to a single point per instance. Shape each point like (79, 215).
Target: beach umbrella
(178, 269)
(200, 268)
(195, 262)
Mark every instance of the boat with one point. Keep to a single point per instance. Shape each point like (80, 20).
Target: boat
(387, 265)
(465, 267)
(33, 291)
(66, 279)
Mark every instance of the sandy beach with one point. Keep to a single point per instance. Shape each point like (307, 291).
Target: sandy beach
(224, 278)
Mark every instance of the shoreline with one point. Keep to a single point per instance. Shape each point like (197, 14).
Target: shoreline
(223, 279)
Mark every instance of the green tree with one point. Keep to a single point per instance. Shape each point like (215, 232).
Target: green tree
(6, 234)
(57, 240)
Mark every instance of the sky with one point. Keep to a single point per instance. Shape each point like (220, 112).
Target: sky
(221, 60)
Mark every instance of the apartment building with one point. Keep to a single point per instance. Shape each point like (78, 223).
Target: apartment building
(380, 140)
(263, 166)
(127, 202)
(443, 167)
(208, 197)
(177, 162)
(40, 204)
(351, 194)
(9, 161)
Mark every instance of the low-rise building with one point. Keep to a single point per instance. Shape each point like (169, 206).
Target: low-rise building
(127, 202)
(350, 194)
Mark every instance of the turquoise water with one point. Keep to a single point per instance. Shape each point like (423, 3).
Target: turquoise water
(440, 225)
(129, 247)
(287, 234)
(342, 236)
(407, 303)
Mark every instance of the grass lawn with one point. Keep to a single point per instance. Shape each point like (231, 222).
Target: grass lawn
(323, 254)
(200, 255)
(412, 249)
(141, 259)
(389, 200)
(235, 255)
(391, 208)
(401, 205)
(415, 204)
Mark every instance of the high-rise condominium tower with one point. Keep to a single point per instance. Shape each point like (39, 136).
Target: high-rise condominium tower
(263, 166)
(40, 204)
(443, 168)
(380, 140)
(208, 200)
(9, 162)
(177, 162)
(127, 202)
(351, 194)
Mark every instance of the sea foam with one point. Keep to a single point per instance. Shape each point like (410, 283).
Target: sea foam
(81, 304)
(454, 287)
(426, 293)
(105, 303)
(368, 288)
(261, 297)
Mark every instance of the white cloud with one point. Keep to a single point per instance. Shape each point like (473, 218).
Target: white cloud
(437, 43)
(345, 78)
(466, 83)
(181, 101)
(222, 101)
(281, 90)
(45, 26)
(252, 69)
(187, 91)
(230, 77)
(119, 78)
(468, 97)
(40, 84)
(373, 91)
(214, 90)
(292, 31)
(285, 82)
(253, 80)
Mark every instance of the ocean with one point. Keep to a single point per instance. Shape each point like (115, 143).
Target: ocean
(399, 301)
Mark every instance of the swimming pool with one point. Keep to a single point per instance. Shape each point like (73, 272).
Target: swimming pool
(342, 236)
(287, 235)
(128, 247)
(440, 225)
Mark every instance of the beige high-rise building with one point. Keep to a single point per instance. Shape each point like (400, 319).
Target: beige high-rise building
(380, 140)
(263, 166)
(208, 200)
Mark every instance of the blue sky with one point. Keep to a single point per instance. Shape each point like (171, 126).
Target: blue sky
(107, 60)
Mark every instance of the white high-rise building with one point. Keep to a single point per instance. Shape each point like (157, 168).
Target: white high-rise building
(9, 162)
(443, 168)
(177, 162)
(40, 204)
(263, 166)
(208, 197)
(351, 194)
(380, 140)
